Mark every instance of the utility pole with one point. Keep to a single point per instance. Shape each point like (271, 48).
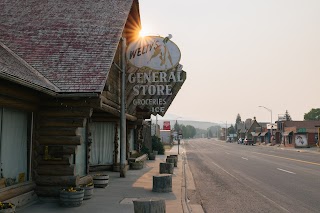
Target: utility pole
(123, 124)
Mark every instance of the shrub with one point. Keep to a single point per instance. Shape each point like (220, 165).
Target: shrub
(157, 145)
(145, 150)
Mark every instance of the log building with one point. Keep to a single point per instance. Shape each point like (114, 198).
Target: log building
(60, 92)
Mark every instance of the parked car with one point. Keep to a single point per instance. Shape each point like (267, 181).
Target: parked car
(240, 141)
(248, 141)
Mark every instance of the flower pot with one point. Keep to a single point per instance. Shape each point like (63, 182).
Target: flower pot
(88, 191)
(71, 198)
(7, 208)
(152, 156)
(136, 165)
(100, 181)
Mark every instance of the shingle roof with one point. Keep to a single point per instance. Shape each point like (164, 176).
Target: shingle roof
(71, 43)
(14, 68)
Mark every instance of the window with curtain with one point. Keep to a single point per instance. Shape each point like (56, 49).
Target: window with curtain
(102, 146)
(131, 139)
(14, 145)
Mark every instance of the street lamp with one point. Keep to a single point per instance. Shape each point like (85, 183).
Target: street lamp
(270, 120)
(226, 132)
(179, 131)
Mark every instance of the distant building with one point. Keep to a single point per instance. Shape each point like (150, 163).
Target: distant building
(298, 133)
(166, 136)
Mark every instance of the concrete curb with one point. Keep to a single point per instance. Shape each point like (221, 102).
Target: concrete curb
(187, 208)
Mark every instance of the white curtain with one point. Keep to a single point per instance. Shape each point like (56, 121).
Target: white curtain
(14, 143)
(102, 146)
(131, 139)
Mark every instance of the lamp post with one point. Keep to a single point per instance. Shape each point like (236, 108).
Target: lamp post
(270, 120)
(179, 130)
(226, 132)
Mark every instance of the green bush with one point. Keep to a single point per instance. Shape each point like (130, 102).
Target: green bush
(145, 150)
(157, 145)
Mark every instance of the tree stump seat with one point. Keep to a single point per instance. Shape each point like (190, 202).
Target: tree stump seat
(162, 183)
(166, 168)
(175, 160)
(148, 205)
(172, 160)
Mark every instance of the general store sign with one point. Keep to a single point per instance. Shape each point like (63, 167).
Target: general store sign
(154, 52)
(151, 88)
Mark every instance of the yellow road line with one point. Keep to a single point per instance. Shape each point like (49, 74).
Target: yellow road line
(301, 161)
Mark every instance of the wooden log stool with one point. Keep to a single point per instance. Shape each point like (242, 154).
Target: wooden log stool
(172, 160)
(166, 168)
(175, 157)
(149, 205)
(162, 183)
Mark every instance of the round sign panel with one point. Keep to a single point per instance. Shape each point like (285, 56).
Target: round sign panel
(154, 52)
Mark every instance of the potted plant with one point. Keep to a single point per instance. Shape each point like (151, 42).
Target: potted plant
(88, 190)
(136, 165)
(71, 196)
(7, 207)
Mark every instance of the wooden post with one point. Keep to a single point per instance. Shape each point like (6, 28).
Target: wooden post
(162, 183)
(148, 205)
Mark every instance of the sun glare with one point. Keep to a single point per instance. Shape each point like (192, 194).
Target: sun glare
(143, 33)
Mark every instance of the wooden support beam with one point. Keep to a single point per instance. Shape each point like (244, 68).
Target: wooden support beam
(17, 91)
(117, 112)
(57, 180)
(17, 189)
(109, 102)
(17, 104)
(55, 170)
(84, 102)
(60, 140)
(66, 150)
(85, 180)
(66, 112)
(64, 161)
(62, 122)
(53, 131)
(48, 191)
(111, 96)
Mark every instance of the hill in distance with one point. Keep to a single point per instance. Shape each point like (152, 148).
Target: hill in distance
(196, 124)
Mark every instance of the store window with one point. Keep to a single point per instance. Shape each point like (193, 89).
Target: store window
(15, 143)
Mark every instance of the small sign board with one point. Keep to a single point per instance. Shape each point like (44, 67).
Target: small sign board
(166, 125)
(154, 52)
(302, 130)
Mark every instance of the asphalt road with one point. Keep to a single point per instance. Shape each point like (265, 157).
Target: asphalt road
(236, 178)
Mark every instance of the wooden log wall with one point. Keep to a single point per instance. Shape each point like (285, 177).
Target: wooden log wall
(56, 137)
(18, 97)
(112, 90)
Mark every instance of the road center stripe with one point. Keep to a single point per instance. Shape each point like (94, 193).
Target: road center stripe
(244, 158)
(301, 161)
(286, 171)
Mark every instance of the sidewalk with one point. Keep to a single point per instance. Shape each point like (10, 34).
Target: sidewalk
(119, 194)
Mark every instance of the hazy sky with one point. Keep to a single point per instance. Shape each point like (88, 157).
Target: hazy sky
(239, 54)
